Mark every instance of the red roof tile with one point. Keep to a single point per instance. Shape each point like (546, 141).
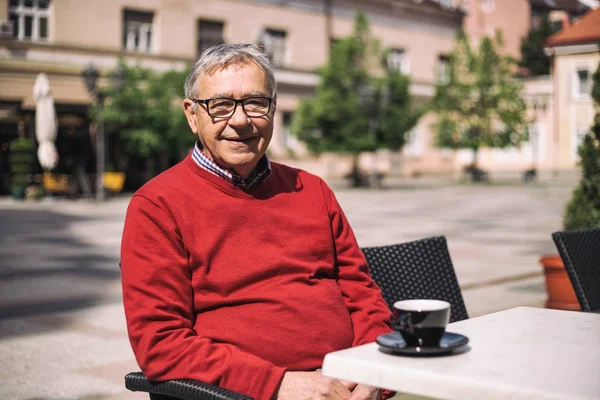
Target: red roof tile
(586, 30)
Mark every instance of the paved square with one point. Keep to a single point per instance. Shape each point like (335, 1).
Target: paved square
(62, 329)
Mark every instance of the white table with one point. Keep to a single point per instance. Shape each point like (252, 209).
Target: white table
(522, 353)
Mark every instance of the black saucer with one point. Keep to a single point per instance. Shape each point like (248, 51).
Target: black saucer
(394, 344)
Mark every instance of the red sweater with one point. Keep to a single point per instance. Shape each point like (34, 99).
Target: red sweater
(235, 287)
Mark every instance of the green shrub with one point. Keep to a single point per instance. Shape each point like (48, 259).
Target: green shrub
(21, 163)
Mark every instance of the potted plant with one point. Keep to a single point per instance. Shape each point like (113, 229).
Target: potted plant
(21, 166)
(582, 211)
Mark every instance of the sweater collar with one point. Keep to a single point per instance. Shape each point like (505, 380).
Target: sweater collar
(263, 169)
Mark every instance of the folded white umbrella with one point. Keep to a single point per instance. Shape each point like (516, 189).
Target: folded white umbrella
(47, 154)
(45, 122)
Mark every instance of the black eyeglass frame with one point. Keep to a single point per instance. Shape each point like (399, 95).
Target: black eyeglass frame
(235, 104)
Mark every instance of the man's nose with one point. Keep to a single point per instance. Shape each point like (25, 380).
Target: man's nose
(239, 117)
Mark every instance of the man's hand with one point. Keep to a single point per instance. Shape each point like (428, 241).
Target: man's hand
(364, 392)
(312, 385)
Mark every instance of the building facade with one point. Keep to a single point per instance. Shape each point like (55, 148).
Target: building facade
(59, 37)
(559, 104)
(511, 18)
(576, 56)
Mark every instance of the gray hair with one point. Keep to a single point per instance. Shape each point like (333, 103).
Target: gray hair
(221, 56)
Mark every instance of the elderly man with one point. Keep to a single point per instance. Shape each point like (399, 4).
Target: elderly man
(237, 270)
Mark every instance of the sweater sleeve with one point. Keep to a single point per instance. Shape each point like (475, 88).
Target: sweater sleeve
(369, 312)
(159, 309)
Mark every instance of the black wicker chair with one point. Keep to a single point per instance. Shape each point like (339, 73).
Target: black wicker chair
(580, 252)
(419, 269)
(179, 389)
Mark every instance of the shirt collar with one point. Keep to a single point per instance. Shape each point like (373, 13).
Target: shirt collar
(263, 168)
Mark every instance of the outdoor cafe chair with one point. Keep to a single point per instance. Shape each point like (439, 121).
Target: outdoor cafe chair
(179, 389)
(418, 269)
(580, 252)
(421, 269)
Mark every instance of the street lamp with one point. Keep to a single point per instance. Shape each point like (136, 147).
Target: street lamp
(90, 76)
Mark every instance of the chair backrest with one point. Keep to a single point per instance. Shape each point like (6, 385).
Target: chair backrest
(580, 252)
(417, 270)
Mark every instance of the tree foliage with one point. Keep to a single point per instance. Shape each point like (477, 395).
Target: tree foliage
(480, 103)
(147, 114)
(21, 163)
(534, 61)
(401, 115)
(583, 210)
(354, 111)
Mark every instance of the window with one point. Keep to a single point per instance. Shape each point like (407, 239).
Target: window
(488, 5)
(137, 31)
(397, 60)
(29, 19)
(289, 141)
(210, 33)
(273, 43)
(446, 3)
(443, 70)
(583, 85)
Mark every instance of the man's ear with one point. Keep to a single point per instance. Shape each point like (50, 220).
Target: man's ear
(190, 114)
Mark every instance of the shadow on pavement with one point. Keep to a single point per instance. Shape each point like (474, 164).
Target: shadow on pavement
(46, 267)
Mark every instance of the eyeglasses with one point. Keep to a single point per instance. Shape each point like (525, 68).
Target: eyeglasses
(225, 107)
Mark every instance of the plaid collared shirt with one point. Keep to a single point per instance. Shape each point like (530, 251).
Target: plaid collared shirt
(263, 167)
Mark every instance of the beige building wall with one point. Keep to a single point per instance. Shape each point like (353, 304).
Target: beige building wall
(422, 42)
(87, 31)
(575, 111)
(77, 24)
(420, 156)
(511, 17)
(3, 10)
(92, 31)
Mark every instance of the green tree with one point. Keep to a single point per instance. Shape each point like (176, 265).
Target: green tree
(480, 103)
(147, 116)
(583, 210)
(400, 114)
(354, 111)
(533, 59)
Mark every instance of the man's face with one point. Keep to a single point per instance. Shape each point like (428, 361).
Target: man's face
(237, 142)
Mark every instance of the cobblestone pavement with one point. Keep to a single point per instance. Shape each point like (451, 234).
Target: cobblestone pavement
(62, 330)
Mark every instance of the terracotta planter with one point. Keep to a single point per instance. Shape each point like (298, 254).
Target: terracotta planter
(558, 285)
